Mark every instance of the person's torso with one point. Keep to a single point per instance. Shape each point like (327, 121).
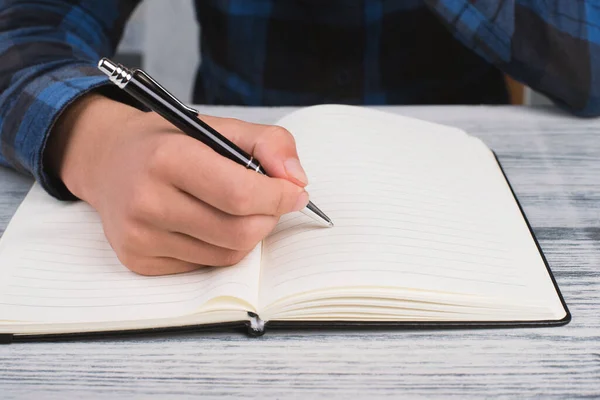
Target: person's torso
(301, 52)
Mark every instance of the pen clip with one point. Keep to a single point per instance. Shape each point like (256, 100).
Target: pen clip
(175, 99)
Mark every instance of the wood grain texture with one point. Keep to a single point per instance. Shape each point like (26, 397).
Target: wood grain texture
(553, 163)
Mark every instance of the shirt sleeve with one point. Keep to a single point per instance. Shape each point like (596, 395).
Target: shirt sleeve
(48, 55)
(553, 46)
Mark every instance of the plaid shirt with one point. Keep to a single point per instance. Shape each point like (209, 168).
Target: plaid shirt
(300, 52)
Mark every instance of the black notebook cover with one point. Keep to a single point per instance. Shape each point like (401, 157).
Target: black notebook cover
(255, 327)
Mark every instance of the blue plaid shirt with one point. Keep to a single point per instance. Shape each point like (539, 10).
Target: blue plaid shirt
(300, 52)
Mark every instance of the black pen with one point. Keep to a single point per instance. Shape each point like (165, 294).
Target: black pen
(150, 93)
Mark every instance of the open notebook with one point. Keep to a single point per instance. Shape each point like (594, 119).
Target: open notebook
(427, 234)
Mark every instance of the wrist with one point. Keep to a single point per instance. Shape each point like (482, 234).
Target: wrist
(79, 140)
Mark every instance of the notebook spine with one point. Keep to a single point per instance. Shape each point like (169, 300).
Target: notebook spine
(6, 338)
(256, 326)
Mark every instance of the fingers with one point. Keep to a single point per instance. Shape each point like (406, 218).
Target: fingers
(148, 250)
(175, 253)
(153, 266)
(198, 220)
(198, 170)
(193, 251)
(272, 145)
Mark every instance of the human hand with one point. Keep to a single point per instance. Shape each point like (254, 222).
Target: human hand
(169, 203)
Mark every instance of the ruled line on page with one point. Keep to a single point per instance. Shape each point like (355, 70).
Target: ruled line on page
(204, 294)
(118, 264)
(366, 263)
(334, 210)
(131, 292)
(338, 271)
(304, 251)
(131, 276)
(109, 256)
(76, 271)
(432, 190)
(369, 225)
(288, 222)
(54, 242)
(315, 237)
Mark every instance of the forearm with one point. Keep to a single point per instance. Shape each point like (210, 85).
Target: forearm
(546, 45)
(48, 61)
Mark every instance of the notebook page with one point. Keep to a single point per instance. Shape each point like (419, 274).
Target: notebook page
(416, 206)
(57, 266)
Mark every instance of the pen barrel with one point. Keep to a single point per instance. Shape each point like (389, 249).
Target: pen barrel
(147, 92)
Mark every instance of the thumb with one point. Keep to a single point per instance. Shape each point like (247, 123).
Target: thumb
(272, 145)
(275, 147)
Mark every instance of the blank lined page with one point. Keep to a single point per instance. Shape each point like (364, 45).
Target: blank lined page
(57, 266)
(416, 206)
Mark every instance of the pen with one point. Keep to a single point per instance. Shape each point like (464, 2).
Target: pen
(147, 91)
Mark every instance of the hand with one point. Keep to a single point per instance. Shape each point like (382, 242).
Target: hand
(169, 203)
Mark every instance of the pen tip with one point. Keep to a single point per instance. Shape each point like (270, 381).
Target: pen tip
(330, 224)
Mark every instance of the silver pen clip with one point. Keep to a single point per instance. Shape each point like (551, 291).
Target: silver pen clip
(175, 99)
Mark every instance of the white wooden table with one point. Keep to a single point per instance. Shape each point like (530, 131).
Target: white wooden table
(553, 163)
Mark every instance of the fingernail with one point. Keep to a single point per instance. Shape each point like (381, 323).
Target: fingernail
(295, 171)
(301, 202)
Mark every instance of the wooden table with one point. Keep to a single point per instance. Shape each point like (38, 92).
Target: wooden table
(553, 163)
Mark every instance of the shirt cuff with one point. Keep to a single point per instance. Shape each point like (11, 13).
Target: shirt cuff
(55, 92)
(48, 95)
